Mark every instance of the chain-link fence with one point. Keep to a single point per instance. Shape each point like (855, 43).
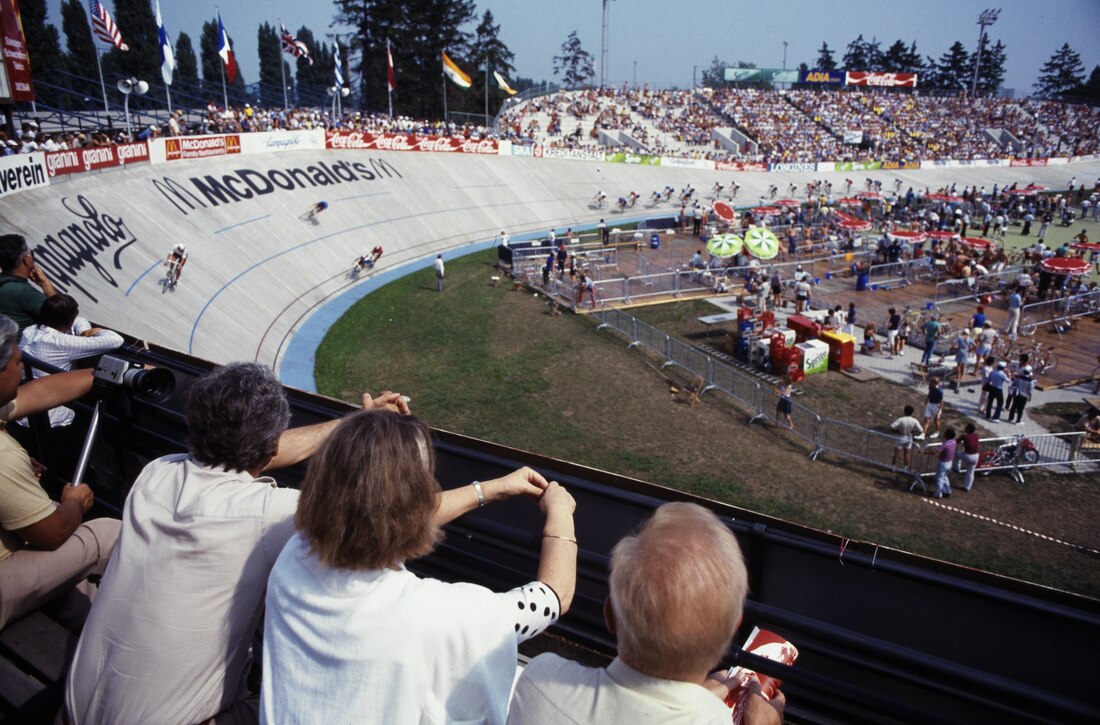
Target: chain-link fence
(886, 451)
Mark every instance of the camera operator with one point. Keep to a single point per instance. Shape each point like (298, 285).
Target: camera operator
(46, 553)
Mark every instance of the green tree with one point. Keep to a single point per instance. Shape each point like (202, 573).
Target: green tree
(1091, 88)
(825, 60)
(489, 50)
(212, 68)
(313, 78)
(855, 55)
(952, 71)
(375, 21)
(914, 62)
(186, 75)
(80, 60)
(574, 64)
(991, 74)
(43, 49)
(715, 75)
(138, 26)
(1062, 75)
(271, 68)
(893, 60)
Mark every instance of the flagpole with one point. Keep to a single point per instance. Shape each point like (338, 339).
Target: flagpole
(389, 88)
(225, 91)
(99, 65)
(168, 93)
(486, 89)
(221, 61)
(282, 68)
(443, 76)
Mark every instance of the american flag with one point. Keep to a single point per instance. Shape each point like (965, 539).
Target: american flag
(104, 27)
(292, 45)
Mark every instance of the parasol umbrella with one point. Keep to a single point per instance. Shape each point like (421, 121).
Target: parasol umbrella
(1065, 265)
(855, 225)
(788, 202)
(724, 211)
(724, 245)
(765, 211)
(907, 236)
(849, 201)
(977, 243)
(1088, 246)
(762, 243)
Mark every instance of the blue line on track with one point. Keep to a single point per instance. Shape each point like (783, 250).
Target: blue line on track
(153, 266)
(260, 263)
(363, 196)
(241, 224)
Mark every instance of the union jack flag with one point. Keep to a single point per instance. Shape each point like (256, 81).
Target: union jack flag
(104, 27)
(292, 45)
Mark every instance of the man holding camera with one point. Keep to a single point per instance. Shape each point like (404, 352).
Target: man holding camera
(46, 553)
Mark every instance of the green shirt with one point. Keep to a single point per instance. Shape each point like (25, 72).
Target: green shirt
(19, 300)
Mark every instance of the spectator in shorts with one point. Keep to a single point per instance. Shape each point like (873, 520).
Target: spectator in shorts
(909, 430)
(893, 324)
(933, 406)
(801, 295)
(967, 459)
(986, 338)
(961, 347)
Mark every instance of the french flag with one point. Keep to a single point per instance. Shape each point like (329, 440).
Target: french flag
(226, 52)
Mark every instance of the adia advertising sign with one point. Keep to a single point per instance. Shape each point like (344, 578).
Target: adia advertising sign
(819, 77)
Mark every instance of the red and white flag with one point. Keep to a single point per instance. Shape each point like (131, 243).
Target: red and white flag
(225, 51)
(104, 27)
(390, 80)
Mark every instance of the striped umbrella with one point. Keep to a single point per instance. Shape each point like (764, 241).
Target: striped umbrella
(724, 245)
(762, 243)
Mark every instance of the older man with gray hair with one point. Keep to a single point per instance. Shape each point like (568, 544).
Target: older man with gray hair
(46, 552)
(677, 591)
(170, 639)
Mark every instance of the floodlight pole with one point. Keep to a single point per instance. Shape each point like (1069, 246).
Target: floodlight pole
(988, 17)
(603, 44)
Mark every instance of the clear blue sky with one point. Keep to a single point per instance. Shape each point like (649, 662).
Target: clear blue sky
(668, 38)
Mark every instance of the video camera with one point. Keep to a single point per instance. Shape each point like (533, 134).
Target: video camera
(113, 373)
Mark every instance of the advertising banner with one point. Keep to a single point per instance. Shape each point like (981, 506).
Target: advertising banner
(792, 167)
(704, 164)
(623, 157)
(77, 161)
(1057, 161)
(279, 141)
(528, 150)
(868, 78)
(573, 154)
(740, 166)
(857, 165)
(200, 147)
(894, 165)
(1027, 162)
(827, 77)
(22, 172)
(853, 137)
(760, 75)
(359, 141)
(14, 47)
(1088, 157)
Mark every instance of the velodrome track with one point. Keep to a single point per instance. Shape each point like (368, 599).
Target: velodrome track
(263, 284)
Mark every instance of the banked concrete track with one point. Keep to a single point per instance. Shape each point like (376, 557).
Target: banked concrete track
(258, 273)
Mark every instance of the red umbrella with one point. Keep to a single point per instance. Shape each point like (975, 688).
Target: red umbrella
(1065, 265)
(1036, 187)
(849, 201)
(788, 202)
(724, 211)
(765, 211)
(977, 243)
(913, 237)
(1088, 246)
(942, 235)
(854, 225)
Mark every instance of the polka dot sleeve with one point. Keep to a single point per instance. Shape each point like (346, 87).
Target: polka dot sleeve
(534, 608)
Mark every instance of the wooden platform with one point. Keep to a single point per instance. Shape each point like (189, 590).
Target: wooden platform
(34, 659)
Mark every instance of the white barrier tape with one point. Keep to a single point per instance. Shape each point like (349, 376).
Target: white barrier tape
(1014, 527)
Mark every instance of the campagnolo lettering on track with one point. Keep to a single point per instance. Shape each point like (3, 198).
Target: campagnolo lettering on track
(66, 253)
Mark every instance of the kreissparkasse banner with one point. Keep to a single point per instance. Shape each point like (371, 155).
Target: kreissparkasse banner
(16, 84)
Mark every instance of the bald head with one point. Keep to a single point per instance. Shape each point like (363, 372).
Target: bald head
(677, 590)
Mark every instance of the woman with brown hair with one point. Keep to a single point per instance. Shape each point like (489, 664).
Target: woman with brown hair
(352, 636)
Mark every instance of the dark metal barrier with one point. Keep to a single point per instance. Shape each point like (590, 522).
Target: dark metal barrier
(884, 636)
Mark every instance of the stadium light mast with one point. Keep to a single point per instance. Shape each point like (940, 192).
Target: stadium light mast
(603, 43)
(988, 17)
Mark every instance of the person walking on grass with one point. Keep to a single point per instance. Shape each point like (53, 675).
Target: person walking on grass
(439, 272)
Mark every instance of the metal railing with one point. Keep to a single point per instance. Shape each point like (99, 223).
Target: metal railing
(871, 447)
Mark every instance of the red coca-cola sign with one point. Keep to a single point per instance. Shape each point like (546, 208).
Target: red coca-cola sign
(870, 78)
(362, 141)
(1027, 162)
(739, 166)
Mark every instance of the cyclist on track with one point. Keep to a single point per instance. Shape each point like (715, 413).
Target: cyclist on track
(600, 198)
(175, 261)
(633, 198)
(368, 261)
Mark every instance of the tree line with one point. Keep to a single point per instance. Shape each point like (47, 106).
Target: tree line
(418, 32)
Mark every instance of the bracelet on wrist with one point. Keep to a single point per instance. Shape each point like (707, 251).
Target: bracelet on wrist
(479, 492)
(563, 538)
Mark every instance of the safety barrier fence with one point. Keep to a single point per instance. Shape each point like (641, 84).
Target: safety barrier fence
(1058, 310)
(876, 448)
(957, 289)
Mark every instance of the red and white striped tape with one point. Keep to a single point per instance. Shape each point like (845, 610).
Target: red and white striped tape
(1014, 527)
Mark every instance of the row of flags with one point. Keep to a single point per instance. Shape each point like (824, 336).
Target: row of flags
(104, 28)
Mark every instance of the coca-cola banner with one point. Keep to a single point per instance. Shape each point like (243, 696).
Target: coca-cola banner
(360, 141)
(739, 166)
(868, 78)
(76, 161)
(1027, 162)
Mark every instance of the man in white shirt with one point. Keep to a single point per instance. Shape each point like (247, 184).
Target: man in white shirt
(439, 272)
(668, 636)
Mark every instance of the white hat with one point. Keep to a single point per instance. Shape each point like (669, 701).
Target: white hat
(181, 247)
